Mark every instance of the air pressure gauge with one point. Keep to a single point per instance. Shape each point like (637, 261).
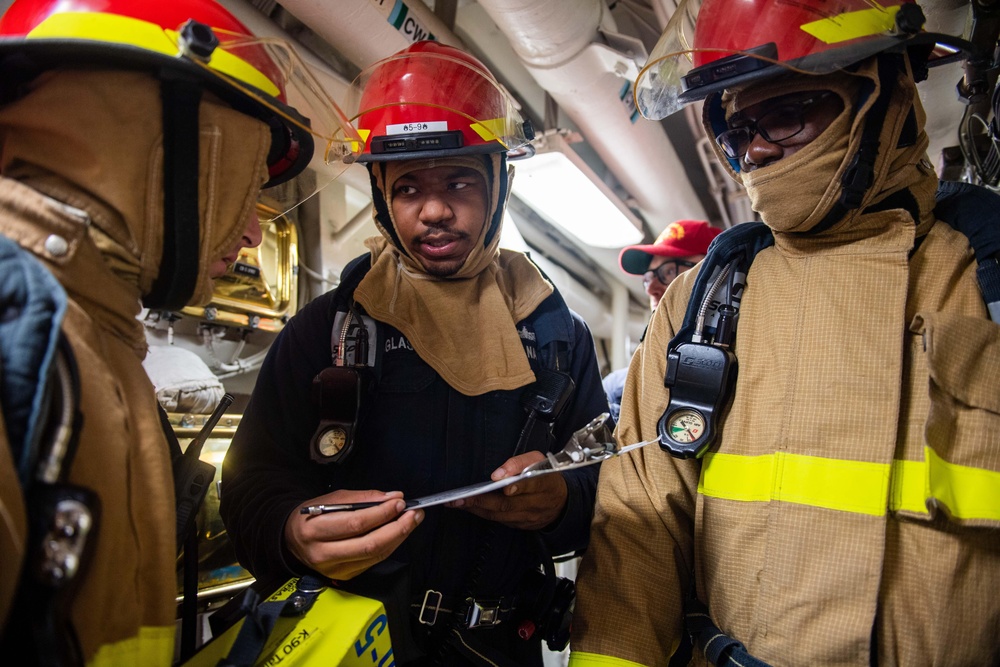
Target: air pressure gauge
(332, 441)
(686, 425)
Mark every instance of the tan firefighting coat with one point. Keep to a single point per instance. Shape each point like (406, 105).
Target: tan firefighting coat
(854, 490)
(103, 198)
(130, 583)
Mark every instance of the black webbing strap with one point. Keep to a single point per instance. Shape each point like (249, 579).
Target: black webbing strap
(175, 282)
(189, 542)
(988, 275)
(265, 618)
(971, 210)
(720, 649)
(860, 174)
(738, 244)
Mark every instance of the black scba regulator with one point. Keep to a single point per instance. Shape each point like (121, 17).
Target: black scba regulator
(701, 374)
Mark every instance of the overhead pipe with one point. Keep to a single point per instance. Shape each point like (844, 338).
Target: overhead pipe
(361, 31)
(566, 45)
(365, 32)
(333, 83)
(619, 332)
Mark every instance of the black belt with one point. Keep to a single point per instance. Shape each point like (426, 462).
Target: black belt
(472, 613)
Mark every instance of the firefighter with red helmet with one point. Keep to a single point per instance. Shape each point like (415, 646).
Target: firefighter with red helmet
(442, 342)
(135, 140)
(823, 386)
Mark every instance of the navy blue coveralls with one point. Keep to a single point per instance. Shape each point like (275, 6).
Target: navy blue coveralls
(420, 436)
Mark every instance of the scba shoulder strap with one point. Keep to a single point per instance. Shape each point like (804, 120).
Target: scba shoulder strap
(339, 388)
(971, 209)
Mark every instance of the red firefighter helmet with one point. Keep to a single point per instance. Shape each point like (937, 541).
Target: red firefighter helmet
(192, 47)
(709, 45)
(432, 100)
(260, 77)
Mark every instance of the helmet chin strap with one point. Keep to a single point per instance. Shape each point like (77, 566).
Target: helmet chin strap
(500, 178)
(178, 275)
(380, 204)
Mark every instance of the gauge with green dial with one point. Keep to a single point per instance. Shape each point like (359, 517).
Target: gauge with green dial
(686, 425)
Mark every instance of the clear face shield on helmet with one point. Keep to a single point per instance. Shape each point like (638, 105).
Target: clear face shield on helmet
(430, 103)
(710, 45)
(306, 123)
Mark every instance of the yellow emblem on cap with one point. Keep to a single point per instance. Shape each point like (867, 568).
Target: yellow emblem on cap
(673, 231)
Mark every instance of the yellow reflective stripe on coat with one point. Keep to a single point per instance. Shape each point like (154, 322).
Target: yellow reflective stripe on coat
(849, 486)
(853, 486)
(580, 659)
(967, 492)
(153, 646)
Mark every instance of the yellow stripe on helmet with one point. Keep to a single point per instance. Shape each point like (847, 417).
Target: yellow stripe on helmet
(492, 130)
(852, 25)
(123, 30)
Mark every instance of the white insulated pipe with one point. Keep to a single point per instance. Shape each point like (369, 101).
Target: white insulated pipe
(620, 354)
(366, 31)
(559, 44)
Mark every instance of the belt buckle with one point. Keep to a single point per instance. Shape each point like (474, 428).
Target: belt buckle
(425, 608)
(481, 615)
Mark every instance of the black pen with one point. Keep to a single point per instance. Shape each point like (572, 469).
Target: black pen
(316, 510)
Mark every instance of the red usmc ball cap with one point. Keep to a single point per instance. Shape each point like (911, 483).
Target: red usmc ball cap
(683, 238)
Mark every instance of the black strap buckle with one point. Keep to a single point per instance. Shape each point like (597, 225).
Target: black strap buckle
(482, 614)
(425, 616)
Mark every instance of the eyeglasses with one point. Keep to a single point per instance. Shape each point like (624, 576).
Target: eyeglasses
(667, 271)
(776, 125)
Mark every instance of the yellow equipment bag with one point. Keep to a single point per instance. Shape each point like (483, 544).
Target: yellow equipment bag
(305, 622)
